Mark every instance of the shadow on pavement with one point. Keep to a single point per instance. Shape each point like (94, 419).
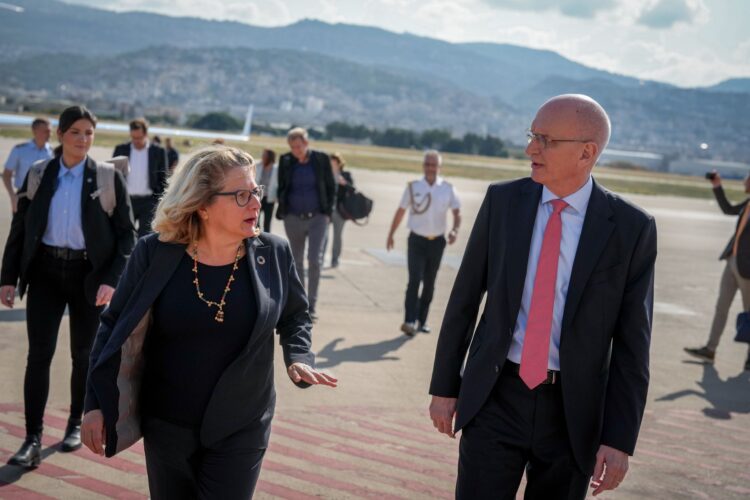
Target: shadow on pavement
(7, 315)
(363, 353)
(725, 396)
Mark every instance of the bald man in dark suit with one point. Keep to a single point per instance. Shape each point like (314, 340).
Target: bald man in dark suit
(556, 376)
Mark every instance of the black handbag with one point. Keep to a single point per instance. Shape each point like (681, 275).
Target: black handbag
(743, 327)
(353, 205)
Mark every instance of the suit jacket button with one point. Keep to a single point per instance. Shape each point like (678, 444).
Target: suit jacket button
(497, 369)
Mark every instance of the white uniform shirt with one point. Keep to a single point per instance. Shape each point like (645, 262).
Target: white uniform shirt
(441, 196)
(572, 224)
(138, 183)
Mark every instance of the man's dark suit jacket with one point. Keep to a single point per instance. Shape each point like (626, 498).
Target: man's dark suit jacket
(606, 325)
(245, 392)
(109, 240)
(743, 247)
(323, 176)
(157, 165)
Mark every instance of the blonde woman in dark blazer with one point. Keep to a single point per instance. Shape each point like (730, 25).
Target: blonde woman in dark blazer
(184, 353)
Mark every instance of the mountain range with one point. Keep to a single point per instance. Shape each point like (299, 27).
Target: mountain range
(313, 72)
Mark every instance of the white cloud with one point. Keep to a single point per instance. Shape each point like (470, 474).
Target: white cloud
(572, 8)
(666, 13)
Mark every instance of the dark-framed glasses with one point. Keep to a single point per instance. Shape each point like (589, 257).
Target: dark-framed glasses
(545, 141)
(243, 196)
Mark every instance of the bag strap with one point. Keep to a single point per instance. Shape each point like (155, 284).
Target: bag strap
(34, 178)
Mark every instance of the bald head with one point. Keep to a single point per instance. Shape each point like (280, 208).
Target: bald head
(586, 116)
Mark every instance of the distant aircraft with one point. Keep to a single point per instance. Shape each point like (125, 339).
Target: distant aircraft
(21, 120)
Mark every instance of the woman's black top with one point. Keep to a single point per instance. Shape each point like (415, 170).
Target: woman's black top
(186, 350)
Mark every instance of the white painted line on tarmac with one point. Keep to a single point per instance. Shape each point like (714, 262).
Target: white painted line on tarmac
(672, 309)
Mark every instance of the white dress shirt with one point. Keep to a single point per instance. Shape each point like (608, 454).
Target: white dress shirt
(572, 224)
(442, 197)
(138, 183)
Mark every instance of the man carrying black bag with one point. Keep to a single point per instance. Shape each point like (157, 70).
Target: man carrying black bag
(736, 273)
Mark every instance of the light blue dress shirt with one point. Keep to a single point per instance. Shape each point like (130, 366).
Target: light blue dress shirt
(22, 157)
(64, 220)
(572, 223)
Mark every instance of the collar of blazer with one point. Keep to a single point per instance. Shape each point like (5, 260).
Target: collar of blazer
(162, 266)
(597, 228)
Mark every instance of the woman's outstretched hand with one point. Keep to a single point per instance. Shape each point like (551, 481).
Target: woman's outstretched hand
(300, 372)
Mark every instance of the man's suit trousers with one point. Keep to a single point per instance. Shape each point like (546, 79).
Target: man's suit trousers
(519, 429)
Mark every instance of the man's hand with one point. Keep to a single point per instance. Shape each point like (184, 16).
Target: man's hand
(14, 202)
(389, 243)
(92, 431)
(7, 295)
(611, 467)
(442, 411)
(300, 372)
(104, 295)
(452, 235)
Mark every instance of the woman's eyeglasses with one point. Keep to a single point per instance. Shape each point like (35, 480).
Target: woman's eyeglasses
(242, 196)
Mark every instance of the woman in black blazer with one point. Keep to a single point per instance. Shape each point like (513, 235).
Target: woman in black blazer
(69, 252)
(184, 353)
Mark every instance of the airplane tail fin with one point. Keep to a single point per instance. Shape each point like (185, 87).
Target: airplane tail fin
(248, 122)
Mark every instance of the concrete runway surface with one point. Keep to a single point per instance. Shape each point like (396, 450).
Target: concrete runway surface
(371, 437)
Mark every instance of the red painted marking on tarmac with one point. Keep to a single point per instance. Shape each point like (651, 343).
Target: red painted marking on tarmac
(10, 491)
(336, 465)
(87, 483)
(385, 430)
(366, 454)
(278, 491)
(49, 441)
(359, 437)
(326, 482)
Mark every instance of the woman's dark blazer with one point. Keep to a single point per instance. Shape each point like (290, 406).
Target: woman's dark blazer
(245, 392)
(109, 240)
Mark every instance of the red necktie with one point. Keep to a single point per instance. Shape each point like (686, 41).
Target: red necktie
(535, 354)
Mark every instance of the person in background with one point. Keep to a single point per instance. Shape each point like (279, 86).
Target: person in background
(268, 176)
(148, 173)
(68, 253)
(343, 180)
(23, 155)
(428, 200)
(736, 275)
(306, 196)
(173, 156)
(198, 305)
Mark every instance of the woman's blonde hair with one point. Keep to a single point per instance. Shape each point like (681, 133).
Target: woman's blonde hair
(191, 188)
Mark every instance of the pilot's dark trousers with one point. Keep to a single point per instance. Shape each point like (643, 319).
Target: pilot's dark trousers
(423, 260)
(519, 429)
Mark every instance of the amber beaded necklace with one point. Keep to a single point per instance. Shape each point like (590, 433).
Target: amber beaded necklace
(210, 303)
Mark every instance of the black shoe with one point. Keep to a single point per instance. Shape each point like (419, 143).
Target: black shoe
(72, 439)
(30, 454)
(334, 264)
(409, 328)
(425, 329)
(703, 353)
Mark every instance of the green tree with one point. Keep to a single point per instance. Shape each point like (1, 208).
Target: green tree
(214, 121)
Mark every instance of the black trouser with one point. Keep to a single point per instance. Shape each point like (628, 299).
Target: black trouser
(423, 259)
(519, 429)
(179, 467)
(54, 284)
(143, 212)
(266, 211)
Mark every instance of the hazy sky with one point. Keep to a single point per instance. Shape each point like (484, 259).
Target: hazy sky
(684, 42)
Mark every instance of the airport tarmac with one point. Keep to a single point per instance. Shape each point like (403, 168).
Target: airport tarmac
(371, 436)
